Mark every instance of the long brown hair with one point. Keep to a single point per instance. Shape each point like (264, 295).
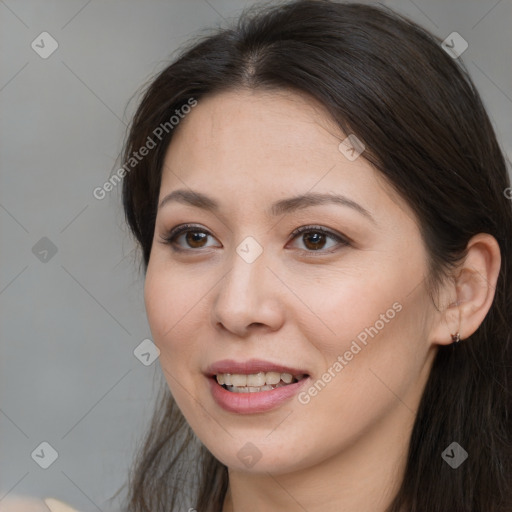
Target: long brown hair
(415, 108)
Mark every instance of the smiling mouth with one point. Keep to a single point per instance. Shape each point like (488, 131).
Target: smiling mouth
(256, 382)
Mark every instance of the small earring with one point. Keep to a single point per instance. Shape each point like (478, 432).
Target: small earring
(455, 337)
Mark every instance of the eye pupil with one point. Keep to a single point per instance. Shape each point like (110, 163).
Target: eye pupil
(194, 237)
(318, 239)
(314, 240)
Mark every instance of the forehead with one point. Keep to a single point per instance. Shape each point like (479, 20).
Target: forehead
(275, 121)
(257, 134)
(267, 144)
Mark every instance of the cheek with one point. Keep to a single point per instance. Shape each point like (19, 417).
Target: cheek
(370, 333)
(172, 302)
(351, 305)
(375, 356)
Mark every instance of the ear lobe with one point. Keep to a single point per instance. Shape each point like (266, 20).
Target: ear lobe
(474, 285)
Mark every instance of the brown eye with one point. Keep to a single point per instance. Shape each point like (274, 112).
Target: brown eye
(195, 238)
(187, 237)
(315, 238)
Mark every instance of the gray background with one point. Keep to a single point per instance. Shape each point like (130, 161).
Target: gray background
(69, 325)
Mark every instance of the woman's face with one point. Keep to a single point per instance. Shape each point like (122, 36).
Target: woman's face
(341, 306)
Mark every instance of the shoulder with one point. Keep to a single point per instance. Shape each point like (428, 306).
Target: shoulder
(31, 504)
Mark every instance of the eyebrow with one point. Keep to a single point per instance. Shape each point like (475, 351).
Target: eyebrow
(280, 207)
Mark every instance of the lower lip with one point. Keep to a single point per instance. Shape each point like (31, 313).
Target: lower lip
(259, 401)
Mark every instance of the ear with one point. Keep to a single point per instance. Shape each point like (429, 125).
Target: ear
(468, 297)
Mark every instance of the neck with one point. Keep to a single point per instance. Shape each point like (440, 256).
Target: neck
(364, 476)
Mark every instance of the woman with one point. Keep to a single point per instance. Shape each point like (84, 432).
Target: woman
(319, 198)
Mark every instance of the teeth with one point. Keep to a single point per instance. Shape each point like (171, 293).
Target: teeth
(238, 380)
(273, 378)
(286, 377)
(256, 379)
(262, 381)
(251, 389)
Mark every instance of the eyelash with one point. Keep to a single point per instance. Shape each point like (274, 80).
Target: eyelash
(174, 233)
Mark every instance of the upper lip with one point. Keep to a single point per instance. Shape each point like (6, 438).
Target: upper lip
(250, 366)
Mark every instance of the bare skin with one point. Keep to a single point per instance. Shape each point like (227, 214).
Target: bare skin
(301, 303)
(30, 504)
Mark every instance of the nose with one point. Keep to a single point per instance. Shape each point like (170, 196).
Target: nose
(248, 298)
